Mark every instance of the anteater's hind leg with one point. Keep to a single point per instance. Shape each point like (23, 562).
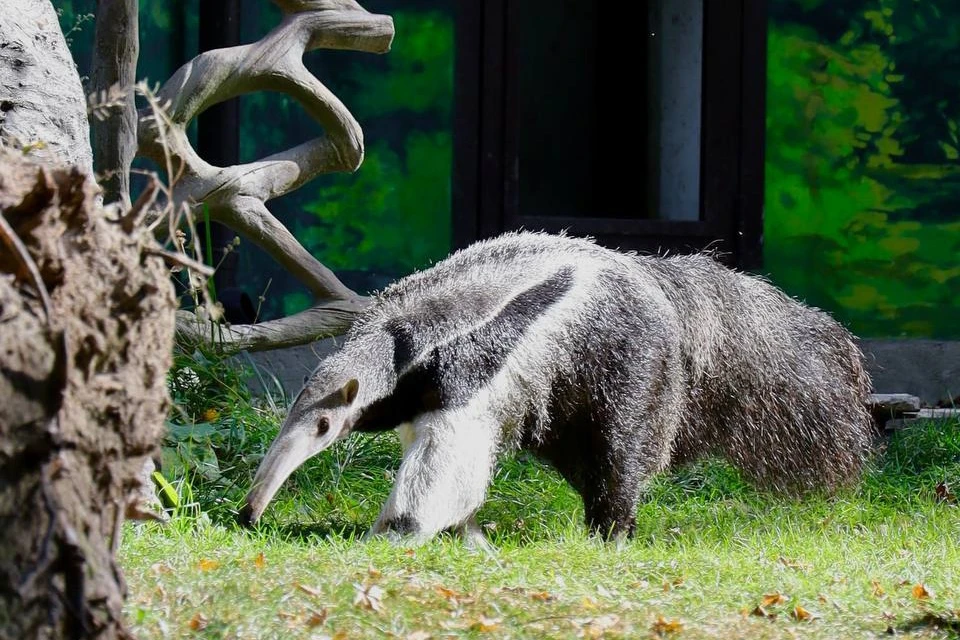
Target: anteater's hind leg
(612, 485)
(443, 479)
(630, 441)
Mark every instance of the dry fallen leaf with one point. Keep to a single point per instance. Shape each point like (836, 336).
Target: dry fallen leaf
(485, 624)
(259, 561)
(419, 635)
(310, 591)
(368, 597)
(449, 594)
(340, 635)
(453, 625)
(542, 596)
(944, 494)
(199, 622)
(822, 598)
(409, 553)
(921, 592)
(801, 614)
(596, 627)
(159, 567)
(663, 626)
(373, 573)
(317, 618)
(760, 612)
(795, 564)
(771, 599)
(877, 589)
(208, 565)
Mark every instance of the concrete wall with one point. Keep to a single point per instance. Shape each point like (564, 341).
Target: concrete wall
(929, 369)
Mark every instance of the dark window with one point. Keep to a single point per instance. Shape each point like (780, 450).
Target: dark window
(640, 125)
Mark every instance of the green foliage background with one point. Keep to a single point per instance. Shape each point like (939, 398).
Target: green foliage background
(862, 162)
(862, 177)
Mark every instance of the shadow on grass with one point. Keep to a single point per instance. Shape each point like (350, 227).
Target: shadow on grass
(931, 622)
(528, 503)
(305, 532)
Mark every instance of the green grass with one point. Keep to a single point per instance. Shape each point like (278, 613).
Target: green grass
(708, 549)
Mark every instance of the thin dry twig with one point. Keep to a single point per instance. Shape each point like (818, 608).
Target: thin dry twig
(181, 259)
(27, 264)
(144, 203)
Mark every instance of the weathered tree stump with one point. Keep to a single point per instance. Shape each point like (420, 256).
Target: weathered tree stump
(86, 335)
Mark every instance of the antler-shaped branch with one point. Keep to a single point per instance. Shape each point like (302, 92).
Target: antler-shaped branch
(236, 195)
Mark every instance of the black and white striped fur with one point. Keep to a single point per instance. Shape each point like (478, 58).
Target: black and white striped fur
(608, 365)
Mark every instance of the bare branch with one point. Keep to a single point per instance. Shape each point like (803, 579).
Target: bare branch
(179, 259)
(13, 243)
(251, 219)
(236, 195)
(139, 209)
(296, 6)
(322, 321)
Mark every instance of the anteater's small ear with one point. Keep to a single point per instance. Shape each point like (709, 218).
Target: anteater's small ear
(349, 391)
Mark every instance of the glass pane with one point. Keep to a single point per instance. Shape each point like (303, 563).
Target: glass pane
(609, 109)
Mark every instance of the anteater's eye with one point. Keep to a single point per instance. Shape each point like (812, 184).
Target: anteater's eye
(323, 426)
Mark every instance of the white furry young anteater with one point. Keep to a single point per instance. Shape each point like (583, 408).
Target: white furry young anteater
(610, 366)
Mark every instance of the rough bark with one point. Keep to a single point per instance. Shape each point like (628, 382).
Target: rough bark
(42, 106)
(236, 196)
(84, 397)
(116, 48)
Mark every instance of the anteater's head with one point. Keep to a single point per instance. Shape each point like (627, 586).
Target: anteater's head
(323, 413)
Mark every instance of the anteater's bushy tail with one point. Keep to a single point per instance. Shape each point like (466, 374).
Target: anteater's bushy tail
(776, 387)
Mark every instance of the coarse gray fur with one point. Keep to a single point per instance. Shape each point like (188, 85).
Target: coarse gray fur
(609, 365)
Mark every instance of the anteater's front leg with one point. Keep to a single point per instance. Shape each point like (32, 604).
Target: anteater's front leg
(443, 479)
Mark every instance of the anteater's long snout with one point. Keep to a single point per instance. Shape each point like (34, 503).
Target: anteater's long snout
(287, 452)
(245, 517)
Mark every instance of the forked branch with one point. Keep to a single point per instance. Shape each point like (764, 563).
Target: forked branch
(235, 196)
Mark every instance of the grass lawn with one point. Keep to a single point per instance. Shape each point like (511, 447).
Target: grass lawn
(713, 558)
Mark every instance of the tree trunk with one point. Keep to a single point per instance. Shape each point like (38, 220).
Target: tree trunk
(42, 108)
(86, 334)
(84, 353)
(117, 46)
